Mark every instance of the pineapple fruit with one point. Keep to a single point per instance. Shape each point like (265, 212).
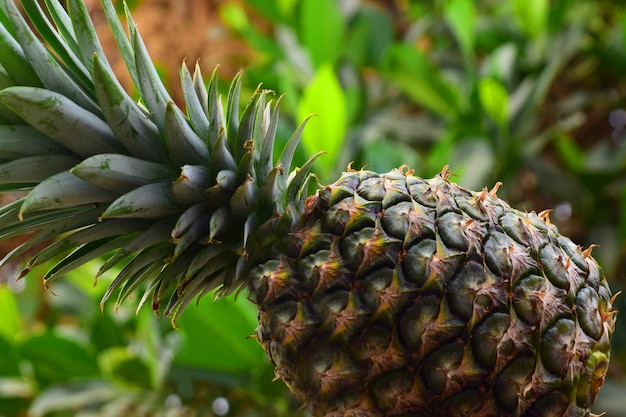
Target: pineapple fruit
(379, 295)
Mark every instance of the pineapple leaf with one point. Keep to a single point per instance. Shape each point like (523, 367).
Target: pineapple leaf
(152, 90)
(62, 22)
(62, 120)
(34, 169)
(84, 32)
(96, 232)
(146, 273)
(286, 157)
(64, 190)
(221, 220)
(157, 233)
(128, 121)
(247, 128)
(166, 280)
(197, 116)
(15, 61)
(188, 218)
(195, 232)
(85, 253)
(232, 107)
(12, 226)
(298, 184)
(121, 173)
(23, 141)
(207, 279)
(153, 255)
(12, 207)
(190, 187)
(151, 201)
(266, 155)
(48, 69)
(123, 44)
(244, 197)
(221, 158)
(51, 226)
(208, 254)
(67, 49)
(183, 144)
(215, 113)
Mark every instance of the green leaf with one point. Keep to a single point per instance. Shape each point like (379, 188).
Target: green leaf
(325, 97)
(104, 330)
(223, 343)
(65, 48)
(570, 152)
(10, 322)
(15, 61)
(461, 16)
(123, 366)
(411, 70)
(495, 100)
(322, 28)
(9, 365)
(441, 153)
(57, 358)
(532, 16)
(371, 33)
(386, 154)
(48, 68)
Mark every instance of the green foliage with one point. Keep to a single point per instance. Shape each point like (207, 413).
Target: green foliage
(84, 362)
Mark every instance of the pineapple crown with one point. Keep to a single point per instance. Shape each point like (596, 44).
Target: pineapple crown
(181, 197)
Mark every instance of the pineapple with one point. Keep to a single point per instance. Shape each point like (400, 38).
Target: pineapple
(379, 295)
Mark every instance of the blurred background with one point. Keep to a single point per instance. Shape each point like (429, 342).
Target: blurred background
(527, 92)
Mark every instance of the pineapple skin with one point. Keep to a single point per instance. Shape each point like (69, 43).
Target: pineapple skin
(396, 295)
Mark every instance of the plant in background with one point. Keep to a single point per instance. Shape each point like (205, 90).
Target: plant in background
(379, 295)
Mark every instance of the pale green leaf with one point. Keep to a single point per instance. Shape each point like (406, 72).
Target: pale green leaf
(10, 323)
(532, 16)
(325, 97)
(495, 100)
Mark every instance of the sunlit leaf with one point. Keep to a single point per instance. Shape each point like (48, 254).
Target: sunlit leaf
(9, 314)
(532, 15)
(494, 99)
(324, 97)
